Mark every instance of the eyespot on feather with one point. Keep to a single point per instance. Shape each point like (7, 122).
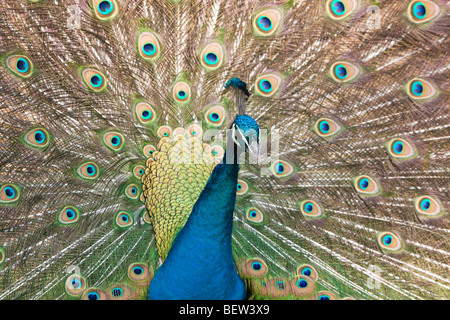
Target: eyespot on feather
(217, 152)
(148, 150)
(310, 209)
(241, 188)
(308, 271)
(164, 132)
(119, 292)
(267, 22)
(282, 169)
(181, 92)
(327, 128)
(366, 185)
(255, 267)
(138, 171)
(145, 113)
(139, 274)
(341, 9)
(422, 11)
(88, 170)
(389, 241)
(93, 79)
(344, 72)
(195, 130)
(302, 286)
(94, 294)
(37, 137)
(212, 56)
(20, 65)
(254, 215)
(132, 191)
(68, 215)
(325, 295)
(149, 46)
(9, 193)
(215, 115)
(75, 285)
(267, 85)
(113, 140)
(420, 89)
(105, 9)
(124, 219)
(401, 149)
(428, 206)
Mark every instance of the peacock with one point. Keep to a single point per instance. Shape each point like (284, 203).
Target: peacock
(224, 150)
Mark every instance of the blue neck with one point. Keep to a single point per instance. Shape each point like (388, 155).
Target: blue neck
(200, 263)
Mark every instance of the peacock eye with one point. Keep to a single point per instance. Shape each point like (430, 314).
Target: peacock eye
(148, 150)
(327, 128)
(144, 112)
(215, 115)
(400, 148)
(94, 79)
(420, 89)
(389, 241)
(75, 285)
(113, 140)
(267, 85)
(282, 169)
(254, 215)
(105, 9)
(308, 271)
(195, 130)
(280, 285)
(68, 215)
(94, 294)
(217, 152)
(302, 286)
(37, 138)
(124, 219)
(9, 193)
(366, 185)
(423, 11)
(302, 283)
(20, 65)
(340, 9)
(427, 206)
(181, 92)
(148, 45)
(255, 267)
(138, 270)
(132, 191)
(212, 56)
(311, 209)
(242, 187)
(88, 170)
(343, 72)
(164, 131)
(138, 171)
(117, 292)
(139, 273)
(267, 22)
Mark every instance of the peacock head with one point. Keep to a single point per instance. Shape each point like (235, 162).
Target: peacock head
(245, 132)
(244, 129)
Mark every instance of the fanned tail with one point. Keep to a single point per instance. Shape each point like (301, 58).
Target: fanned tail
(352, 204)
